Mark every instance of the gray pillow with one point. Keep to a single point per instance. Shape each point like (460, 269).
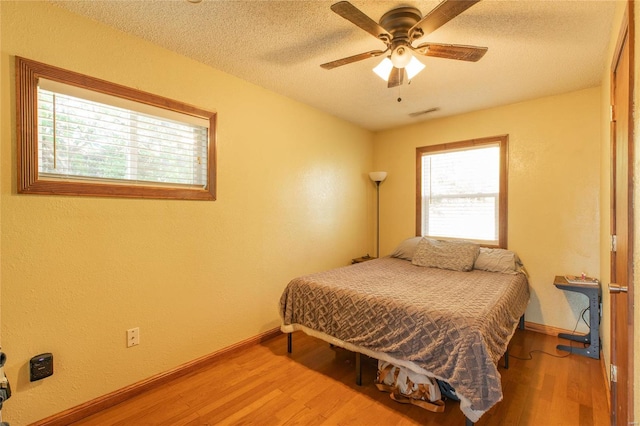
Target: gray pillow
(497, 260)
(454, 255)
(406, 249)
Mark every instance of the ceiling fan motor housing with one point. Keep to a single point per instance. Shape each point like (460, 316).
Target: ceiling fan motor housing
(398, 22)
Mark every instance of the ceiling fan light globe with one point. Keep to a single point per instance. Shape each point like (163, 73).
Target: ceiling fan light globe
(383, 69)
(413, 67)
(400, 57)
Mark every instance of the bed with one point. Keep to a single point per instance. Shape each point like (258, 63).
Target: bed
(430, 316)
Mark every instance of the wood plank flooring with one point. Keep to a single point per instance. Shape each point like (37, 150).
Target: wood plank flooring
(315, 385)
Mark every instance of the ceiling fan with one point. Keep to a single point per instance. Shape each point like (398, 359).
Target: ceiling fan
(398, 29)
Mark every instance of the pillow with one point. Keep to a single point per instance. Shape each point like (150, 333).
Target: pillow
(406, 249)
(496, 260)
(454, 255)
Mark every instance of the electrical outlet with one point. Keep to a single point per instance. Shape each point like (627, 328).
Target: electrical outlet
(133, 337)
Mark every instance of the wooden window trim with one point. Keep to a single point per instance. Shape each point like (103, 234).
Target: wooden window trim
(27, 74)
(503, 140)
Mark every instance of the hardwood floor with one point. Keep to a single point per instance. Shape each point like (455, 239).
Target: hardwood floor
(315, 385)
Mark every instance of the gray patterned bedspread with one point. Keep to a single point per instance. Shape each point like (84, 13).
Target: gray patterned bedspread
(452, 325)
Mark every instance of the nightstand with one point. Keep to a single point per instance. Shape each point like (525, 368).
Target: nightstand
(593, 292)
(362, 259)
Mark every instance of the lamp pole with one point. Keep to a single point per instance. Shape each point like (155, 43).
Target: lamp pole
(378, 218)
(378, 177)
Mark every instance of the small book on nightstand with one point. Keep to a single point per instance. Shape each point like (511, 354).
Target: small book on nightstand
(362, 259)
(582, 279)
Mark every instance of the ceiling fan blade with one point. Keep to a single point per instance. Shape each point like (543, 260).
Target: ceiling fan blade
(355, 58)
(443, 13)
(396, 78)
(451, 51)
(353, 14)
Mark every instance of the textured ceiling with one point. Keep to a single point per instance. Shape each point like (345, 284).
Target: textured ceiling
(536, 48)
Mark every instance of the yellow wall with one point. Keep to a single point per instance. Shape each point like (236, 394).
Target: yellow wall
(554, 183)
(293, 197)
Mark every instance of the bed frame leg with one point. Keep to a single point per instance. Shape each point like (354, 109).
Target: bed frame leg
(521, 323)
(358, 369)
(289, 343)
(506, 359)
(468, 422)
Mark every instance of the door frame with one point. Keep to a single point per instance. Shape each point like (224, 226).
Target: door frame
(626, 35)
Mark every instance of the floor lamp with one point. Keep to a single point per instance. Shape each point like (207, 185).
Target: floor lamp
(378, 177)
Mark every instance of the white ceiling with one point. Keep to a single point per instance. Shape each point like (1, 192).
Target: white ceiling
(536, 48)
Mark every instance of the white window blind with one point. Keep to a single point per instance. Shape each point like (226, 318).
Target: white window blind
(460, 193)
(89, 136)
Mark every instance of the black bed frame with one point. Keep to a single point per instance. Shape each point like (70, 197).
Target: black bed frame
(359, 363)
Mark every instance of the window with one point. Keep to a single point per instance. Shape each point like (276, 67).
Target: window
(82, 136)
(462, 191)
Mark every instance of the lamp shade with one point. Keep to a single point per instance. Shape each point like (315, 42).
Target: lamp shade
(413, 67)
(404, 59)
(378, 176)
(384, 69)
